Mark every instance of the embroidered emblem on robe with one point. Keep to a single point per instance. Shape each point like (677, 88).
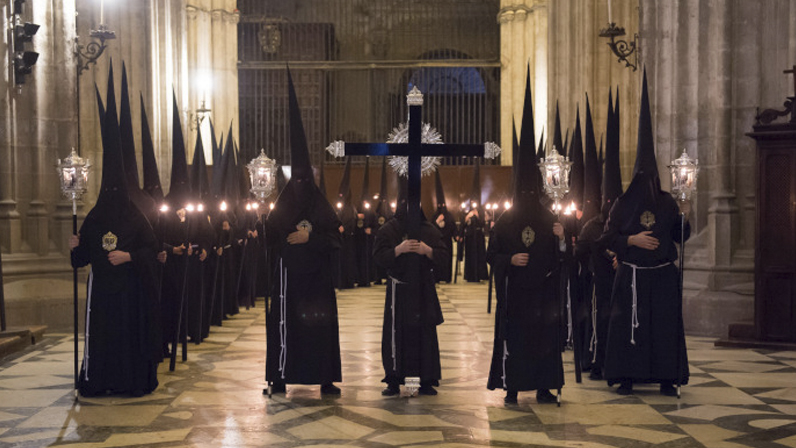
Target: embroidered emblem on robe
(109, 241)
(305, 225)
(648, 219)
(528, 236)
(360, 223)
(382, 220)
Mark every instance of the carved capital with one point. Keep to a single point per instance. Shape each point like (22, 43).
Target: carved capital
(505, 16)
(191, 11)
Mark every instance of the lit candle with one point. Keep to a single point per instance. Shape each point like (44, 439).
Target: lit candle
(610, 19)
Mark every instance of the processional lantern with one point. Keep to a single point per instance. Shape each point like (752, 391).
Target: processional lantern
(555, 174)
(262, 172)
(73, 173)
(684, 171)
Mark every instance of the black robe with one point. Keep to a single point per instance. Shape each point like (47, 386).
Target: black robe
(409, 345)
(448, 232)
(247, 268)
(363, 241)
(526, 354)
(347, 271)
(474, 246)
(122, 349)
(302, 332)
(599, 281)
(659, 336)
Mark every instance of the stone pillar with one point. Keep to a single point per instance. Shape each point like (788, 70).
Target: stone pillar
(506, 61)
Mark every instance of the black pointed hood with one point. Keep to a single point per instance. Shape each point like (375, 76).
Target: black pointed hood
(200, 187)
(402, 201)
(179, 189)
(216, 146)
(231, 180)
(577, 171)
(344, 192)
(365, 196)
(612, 172)
(645, 186)
(126, 131)
(321, 178)
(152, 184)
(281, 181)
(218, 186)
(526, 175)
(383, 207)
(440, 192)
(300, 165)
(540, 152)
(591, 170)
(300, 198)
(558, 142)
(113, 195)
(475, 191)
(142, 200)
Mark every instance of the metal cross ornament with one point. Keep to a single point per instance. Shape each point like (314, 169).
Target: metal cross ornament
(414, 149)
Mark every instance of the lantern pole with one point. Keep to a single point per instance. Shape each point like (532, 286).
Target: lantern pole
(684, 172)
(73, 175)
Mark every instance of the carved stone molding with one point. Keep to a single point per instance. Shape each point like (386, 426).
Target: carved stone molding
(215, 14)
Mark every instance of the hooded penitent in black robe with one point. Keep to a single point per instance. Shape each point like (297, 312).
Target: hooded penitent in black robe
(302, 333)
(474, 242)
(645, 332)
(364, 233)
(122, 346)
(526, 353)
(527, 350)
(409, 345)
(447, 229)
(347, 271)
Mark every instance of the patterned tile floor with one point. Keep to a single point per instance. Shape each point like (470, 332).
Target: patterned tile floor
(736, 397)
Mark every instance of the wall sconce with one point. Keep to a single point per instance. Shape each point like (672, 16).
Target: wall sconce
(94, 49)
(621, 48)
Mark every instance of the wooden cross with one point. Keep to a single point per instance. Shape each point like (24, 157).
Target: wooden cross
(414, 149)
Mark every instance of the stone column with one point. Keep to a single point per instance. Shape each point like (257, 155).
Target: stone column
(506, 62)
(10, 224)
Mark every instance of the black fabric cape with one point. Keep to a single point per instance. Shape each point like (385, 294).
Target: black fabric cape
(448, 231)
(474, 250)
(122, 347)
(412, 328)
(303, 341)
(659, 336)
(526, 353)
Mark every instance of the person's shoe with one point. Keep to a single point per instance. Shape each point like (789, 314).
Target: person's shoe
(278, 388)
(427, 390)
(330, 389)
(391, 390)
(544, 396)
(668, 390)
(511, 397)
(595, 374)
(626, 388)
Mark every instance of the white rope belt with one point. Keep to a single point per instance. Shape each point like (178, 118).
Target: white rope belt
(282, 315)
(395, 282)
(88, 321)
(634, 315)
(505, 344)
(593, 342)
(569, 315)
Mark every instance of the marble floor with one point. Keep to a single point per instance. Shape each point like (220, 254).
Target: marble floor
(736, 397)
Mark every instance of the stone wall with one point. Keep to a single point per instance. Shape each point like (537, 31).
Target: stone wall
(56, 110)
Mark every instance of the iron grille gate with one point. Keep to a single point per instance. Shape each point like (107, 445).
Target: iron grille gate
(353, 61)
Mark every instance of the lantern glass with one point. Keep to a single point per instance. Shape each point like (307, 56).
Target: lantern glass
(555, 174)
(73, 174)
(684, 171)
(261, 173)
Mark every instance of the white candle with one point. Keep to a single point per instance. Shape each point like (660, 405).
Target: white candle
(610, 19)
(102, 11)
